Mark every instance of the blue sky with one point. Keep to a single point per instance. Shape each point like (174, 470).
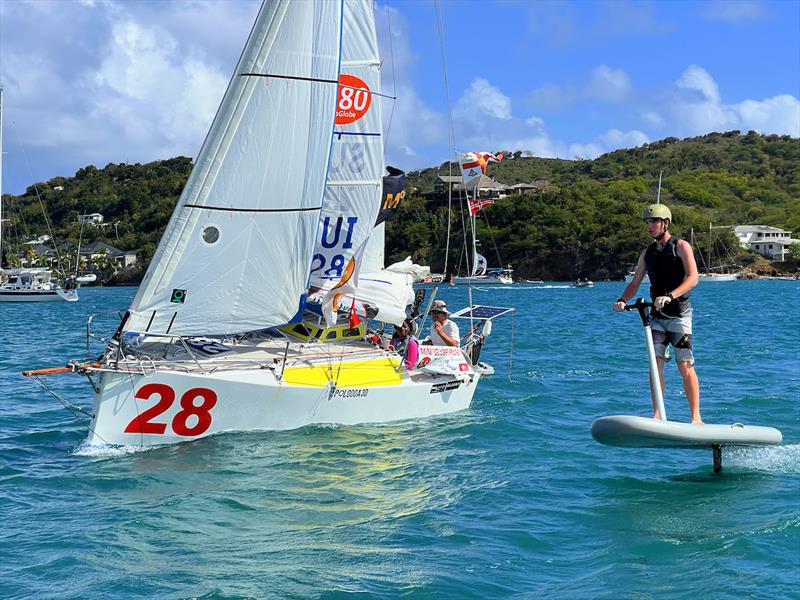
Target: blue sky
(99, 81)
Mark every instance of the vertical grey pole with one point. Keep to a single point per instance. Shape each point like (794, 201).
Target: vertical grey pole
(641, 306)
(655, 377)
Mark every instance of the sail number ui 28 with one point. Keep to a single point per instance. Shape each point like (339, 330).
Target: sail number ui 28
(148, 422)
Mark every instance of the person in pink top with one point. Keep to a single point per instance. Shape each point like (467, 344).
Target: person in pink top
(405, 344)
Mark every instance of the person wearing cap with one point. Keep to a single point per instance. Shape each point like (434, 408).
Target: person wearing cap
(444, 331)
(405, 344)
(670, 265)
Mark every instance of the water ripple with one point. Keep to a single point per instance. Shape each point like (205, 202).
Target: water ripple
(511, 498)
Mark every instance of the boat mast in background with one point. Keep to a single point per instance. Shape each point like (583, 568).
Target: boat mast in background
(28, 284)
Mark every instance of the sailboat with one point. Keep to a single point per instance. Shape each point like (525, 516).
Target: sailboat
(27, 284)
(718, 272)
(473, 167)
(237, 324)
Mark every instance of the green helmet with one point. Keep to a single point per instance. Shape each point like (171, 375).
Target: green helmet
(657, 211)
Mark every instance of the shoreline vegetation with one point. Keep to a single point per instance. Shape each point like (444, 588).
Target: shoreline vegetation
(580, 221)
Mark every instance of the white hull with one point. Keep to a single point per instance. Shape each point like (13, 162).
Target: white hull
(38, 295)
(170, 406)
(483, 280)
(629, 278)
(718, 277)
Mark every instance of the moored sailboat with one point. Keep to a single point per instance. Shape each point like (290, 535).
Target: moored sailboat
(236, 325)
(473, 167)
(716, 270)
(27, 284)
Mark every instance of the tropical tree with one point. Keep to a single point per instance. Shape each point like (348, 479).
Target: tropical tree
(105, 264)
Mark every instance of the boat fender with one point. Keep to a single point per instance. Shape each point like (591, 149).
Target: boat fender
(685, 341)
(487, 329)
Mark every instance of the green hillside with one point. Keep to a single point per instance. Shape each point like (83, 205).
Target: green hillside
(584, 223)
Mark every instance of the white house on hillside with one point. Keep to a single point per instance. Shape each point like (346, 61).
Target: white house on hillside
(124, 258)
(770, 242)
(90, 219)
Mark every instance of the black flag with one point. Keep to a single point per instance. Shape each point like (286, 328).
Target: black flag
(394, 190)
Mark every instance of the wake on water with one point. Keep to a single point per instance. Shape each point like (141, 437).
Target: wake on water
(777, 460)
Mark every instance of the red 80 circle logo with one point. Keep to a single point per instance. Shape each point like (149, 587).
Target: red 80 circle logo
(199, 414)
(353, 100)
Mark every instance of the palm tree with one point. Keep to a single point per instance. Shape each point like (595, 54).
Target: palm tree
(30, 256)
(106, 264)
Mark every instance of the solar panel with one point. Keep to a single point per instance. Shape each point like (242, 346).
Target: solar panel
(481, 312)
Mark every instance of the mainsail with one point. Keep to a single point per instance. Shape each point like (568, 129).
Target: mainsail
(355, 175)
(237, 251)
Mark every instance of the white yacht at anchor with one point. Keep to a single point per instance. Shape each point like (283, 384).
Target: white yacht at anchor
(27, 284)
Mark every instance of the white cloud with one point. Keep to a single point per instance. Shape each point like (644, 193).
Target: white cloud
(553, 97)
(560, 25)
(608, 85)
(613, 139)
(482, 99)
(779, 114)
(122, 86)
(148, 77)
(740, 11)
(536, 122)
(695, 107)
(652, 117)
(407, 150)
(697, 79)
(408, 121)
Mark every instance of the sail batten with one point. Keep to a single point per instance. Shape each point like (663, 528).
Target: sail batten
(234, 209)
(349, 182)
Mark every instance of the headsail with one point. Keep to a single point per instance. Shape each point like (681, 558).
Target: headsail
(236, 253)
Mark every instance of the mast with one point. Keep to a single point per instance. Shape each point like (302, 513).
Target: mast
(658, 196)
(472, 217)
(710, 244)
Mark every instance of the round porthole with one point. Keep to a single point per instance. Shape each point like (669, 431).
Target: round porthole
(210, 234)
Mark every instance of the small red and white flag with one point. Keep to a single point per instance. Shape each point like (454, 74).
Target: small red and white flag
(475, 206)
(473, 164)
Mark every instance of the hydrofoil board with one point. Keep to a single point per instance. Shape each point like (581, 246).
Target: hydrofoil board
(640, 432)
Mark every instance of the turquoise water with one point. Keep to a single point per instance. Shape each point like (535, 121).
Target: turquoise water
(511, 498)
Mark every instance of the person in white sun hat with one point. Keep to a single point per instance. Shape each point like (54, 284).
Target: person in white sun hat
(444, 331)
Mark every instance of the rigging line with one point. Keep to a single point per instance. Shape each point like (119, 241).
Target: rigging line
(494, 243)
(15, 213)
(451, 139)
(313, 80)
(464, 235)
(41, 204)
(394, 81)
(73, 409)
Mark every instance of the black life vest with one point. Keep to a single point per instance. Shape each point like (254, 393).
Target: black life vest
(666, 272)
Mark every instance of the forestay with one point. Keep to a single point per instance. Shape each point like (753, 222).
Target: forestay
(237, 251)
